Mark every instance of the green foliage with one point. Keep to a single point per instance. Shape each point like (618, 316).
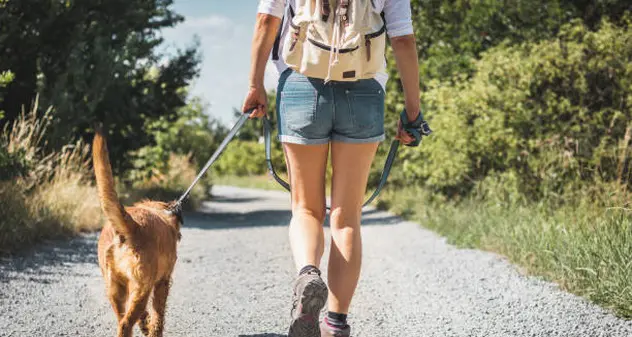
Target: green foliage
(94, 61)
(549, 116)
(12, 165)
(192, 134)
(247, 158)
(253, 130)
(452, 34)
(531, 152)
(169, 183)
(5, 78)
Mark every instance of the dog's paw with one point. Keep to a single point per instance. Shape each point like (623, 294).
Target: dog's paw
(143, 323)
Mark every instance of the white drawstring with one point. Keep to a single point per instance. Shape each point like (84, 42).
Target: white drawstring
(336, 44)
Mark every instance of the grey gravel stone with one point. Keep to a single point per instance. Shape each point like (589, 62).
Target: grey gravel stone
(235, 271)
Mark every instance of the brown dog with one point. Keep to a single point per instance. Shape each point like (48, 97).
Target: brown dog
(137, 251)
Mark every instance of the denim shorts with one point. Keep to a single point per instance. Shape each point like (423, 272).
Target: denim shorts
(312, 112)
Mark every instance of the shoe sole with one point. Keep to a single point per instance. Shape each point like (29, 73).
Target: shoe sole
(312, 302)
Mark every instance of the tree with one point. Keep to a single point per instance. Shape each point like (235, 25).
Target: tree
(92, 61)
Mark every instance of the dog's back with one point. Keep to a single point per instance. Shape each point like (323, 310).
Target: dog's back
(136, 249)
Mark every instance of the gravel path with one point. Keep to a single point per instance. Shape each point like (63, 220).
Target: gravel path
(234, 274)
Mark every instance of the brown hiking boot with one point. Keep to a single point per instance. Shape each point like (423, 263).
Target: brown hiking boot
(328, 330)
(310, 295)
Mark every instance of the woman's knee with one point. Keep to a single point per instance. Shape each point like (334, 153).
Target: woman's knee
(315, 212)
(345, 219)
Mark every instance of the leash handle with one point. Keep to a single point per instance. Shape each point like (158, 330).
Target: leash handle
(267, 130)
(392, 153)
(240, 123)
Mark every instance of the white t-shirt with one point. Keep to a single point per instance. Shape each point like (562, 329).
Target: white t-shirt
(396, 12)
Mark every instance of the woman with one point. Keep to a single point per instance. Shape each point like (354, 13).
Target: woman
(316, 115)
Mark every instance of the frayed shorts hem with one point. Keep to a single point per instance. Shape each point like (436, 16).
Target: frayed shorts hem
(334, 138)
(343, 139)
(302, 141)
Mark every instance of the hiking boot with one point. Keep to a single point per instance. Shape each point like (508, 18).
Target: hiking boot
(310, 295)
(328, 330)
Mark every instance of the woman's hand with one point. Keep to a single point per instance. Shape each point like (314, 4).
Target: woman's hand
(405, 51)
(256, 99)
(402, 135)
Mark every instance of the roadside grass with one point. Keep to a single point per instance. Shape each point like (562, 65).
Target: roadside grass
(54, 197)
(584, 248)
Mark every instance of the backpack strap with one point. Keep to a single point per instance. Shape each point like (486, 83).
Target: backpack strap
(325, 11)
(277, 41)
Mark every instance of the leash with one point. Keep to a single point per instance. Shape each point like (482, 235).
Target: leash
(240, 123)
(392, 153)
(267, 128)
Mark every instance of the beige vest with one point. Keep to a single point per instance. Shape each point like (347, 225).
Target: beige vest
(336, 40)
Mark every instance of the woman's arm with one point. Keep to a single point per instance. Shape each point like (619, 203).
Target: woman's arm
(265, 33)
(266, 30)
(405, 50)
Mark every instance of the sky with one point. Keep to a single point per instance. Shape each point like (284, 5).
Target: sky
(225, 29)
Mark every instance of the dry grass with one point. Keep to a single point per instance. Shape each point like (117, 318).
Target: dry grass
(56, 198)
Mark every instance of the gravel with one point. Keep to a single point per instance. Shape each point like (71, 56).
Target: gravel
(234, 274)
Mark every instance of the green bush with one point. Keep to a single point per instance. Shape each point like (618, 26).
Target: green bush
(169, 184)
(193, 134)
(247, 158)
(11, 164)
(549, 117)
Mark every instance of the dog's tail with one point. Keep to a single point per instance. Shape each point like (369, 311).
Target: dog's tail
(110, 203)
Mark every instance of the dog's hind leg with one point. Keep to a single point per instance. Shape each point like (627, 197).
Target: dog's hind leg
(143, 323)
(117, 293)
(159, 305)
(136, 305)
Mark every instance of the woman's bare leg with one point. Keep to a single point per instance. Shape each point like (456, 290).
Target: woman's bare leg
(306, 167)
(351, 165)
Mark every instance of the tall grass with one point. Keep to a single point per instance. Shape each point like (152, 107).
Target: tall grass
(54, 197)
(584, 247)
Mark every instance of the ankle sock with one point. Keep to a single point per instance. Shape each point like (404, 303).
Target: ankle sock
(337, 320)
(307, 269)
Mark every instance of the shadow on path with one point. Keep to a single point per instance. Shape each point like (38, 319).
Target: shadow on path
(271, 218)
(264, 335)
(221, 199)
(227, 220)
(49, 259)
